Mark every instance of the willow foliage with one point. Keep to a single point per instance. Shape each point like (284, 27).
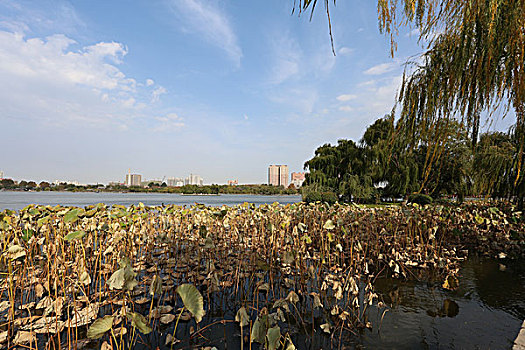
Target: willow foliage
(474, 63)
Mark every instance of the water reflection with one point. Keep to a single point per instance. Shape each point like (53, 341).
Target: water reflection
(501, 286)
(486, 311)
(449, 309)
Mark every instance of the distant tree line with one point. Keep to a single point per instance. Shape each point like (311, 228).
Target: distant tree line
(390, 164)
(214, 189)
(9, 184)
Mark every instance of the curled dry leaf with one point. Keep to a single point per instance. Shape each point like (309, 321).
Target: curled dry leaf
(85, 279)
(326, 327)
(170, 340)
(3, 337)
(292, 297)
(317, 301)
(15, 252)
(4, 305)
(167, 318)
(242, 317)
(273, 336)
(138, 321)
(83, 316)
(23, 337)
(100, 327)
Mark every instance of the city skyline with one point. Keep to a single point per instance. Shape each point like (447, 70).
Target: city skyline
(136, 179)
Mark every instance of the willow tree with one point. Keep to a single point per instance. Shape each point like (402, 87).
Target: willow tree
(474, 64)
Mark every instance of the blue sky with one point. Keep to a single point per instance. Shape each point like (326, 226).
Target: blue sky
(171, 87)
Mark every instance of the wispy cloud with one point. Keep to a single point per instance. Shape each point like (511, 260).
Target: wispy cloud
(345, 51)
(299, 99)
(210, 22)
(379, 95)
(381, 68)
(155, 95)
(286, 58)
(57, 16)
(292, 63)
(346, 109)
(346, 97)
(168, 123)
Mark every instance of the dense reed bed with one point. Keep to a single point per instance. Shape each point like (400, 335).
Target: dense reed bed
(239, 277)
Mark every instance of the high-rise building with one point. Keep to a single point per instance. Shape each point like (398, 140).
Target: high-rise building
(194, 179)
(298, 179)
(278, 175)
(133, 179)
(273, 175)
(174, 182)
(1, 174)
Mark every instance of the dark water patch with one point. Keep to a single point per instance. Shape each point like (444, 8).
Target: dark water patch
(485, 312)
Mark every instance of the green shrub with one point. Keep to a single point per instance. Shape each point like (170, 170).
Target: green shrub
(329, 197)
(312, 196)
(419, 198)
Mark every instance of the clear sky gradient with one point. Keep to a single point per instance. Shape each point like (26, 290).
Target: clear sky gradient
(221, 89)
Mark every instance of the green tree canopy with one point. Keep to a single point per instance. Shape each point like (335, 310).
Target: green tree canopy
(474, 64)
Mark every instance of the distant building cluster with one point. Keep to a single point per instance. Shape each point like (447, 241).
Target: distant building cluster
(298, 179)
(194, 179)
(136, 180)
(1, 175)
(133, 180)
(233, 182)
(278, 175)
(175, 181)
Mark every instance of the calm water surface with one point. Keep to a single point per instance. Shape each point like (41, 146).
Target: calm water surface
(486, 312)
(18, 200)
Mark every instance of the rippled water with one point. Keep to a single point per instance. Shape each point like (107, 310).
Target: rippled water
(486, 312)
(18, 200)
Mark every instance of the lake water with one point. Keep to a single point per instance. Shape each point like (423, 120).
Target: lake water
(487, 311)
(18, 200)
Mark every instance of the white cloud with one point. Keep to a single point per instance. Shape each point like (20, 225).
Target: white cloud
(149, 82)
(346, 97)
(52, 84)
(345, 51)
(168, 123)
(48, 59)
(155, 95)
(246, 117)
(381, 68)
(346, 109)
(209, 21)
